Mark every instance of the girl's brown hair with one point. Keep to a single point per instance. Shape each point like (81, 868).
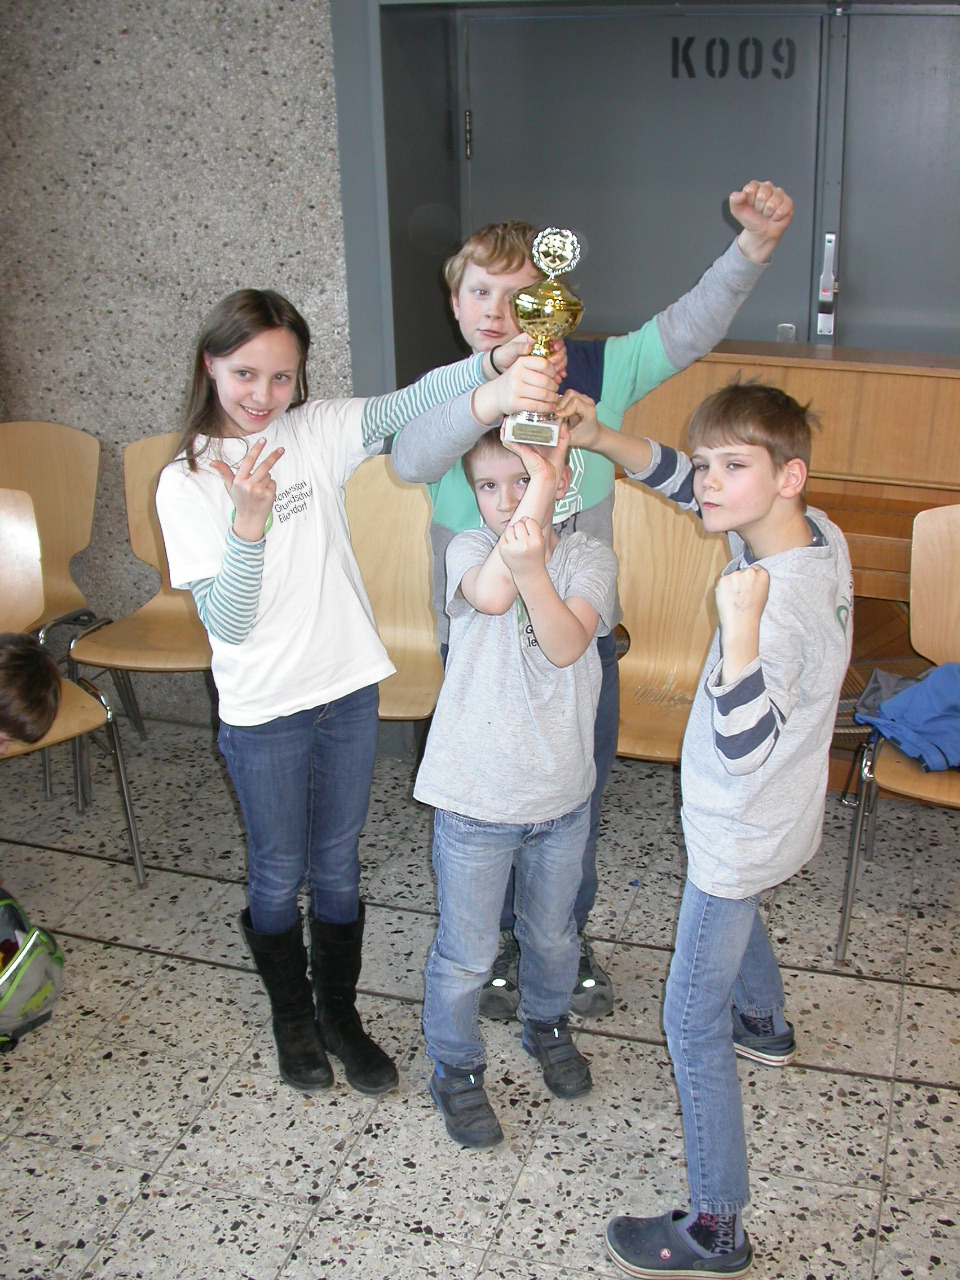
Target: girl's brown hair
(235, 320)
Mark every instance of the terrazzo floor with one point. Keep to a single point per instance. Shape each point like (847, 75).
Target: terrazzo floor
(144, 1131)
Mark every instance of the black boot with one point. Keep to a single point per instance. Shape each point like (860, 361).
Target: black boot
(281, 961)
(335, 961)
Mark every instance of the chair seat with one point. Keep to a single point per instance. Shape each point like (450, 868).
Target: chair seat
(902, 775)
(165, 634)
(78, 713)
(411, 694)
(654, 737)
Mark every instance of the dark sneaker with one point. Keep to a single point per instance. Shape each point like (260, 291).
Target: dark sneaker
(774, 1050)
(593, 995)
(566, 1071)
(501, 994)
(655, 1247)
(465, 1108)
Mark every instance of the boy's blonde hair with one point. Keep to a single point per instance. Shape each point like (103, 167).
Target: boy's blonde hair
(488, 444)
(499, 246)
(753, 413)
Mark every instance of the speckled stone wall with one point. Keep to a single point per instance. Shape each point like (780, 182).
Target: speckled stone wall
(156, 156)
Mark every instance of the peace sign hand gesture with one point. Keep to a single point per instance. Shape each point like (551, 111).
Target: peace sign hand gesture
(253, 490)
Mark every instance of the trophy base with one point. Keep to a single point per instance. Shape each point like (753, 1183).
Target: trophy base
(532, 428)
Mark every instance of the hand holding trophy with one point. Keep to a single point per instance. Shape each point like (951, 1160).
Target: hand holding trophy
(545, 310)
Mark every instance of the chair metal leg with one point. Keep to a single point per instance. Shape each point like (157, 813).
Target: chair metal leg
(47, 772)
(864, 820)
(124, 687)
(82, 780)
(120, 770)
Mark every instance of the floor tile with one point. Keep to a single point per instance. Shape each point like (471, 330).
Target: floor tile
(924, 1146)
(845, 1024)
(798, 1233)
(179, 1229)
(395, 949)
(918, 1238)
(129, 1104)
(59, 1207)
(338, 1245)
(930, 1036)
(815, 1126)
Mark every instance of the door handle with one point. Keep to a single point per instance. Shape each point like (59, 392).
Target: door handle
(829, 287)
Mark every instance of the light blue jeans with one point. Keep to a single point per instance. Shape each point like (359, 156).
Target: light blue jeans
(722, 957)
(303, 782)
(472, 861)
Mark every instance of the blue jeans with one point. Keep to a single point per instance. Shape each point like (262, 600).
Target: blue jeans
(471, 860)
(606, 730)
(722, 957)
(303, 782)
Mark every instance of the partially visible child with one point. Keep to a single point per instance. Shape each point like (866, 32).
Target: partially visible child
(753, 775)
(509, 768)
(29, 689)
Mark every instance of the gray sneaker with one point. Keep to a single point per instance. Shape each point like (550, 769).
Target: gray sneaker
(773, 1050)
(593, 995)
(501, 994)
(465, 1107)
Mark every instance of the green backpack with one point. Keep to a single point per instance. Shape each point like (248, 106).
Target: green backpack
(31, 970)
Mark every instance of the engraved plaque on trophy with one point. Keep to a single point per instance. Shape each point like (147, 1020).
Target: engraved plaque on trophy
(545, 310)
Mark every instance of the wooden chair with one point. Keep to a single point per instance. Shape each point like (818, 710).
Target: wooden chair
(389, 528)
(83, 709)
(165, 634)
(57, 466)
(668, 569)
(935, 633)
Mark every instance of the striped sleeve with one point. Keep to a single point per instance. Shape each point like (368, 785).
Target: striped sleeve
(671, 473)
(746, 722)
(227, 603)
(384, 415)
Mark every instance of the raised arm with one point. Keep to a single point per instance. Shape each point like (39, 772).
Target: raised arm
(695, 323)
(383, 416)
(490, 587)
(429, 445)
(746, 719)
(563, 627)
(633, 453)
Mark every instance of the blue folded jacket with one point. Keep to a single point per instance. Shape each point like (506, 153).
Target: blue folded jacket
(923, 720)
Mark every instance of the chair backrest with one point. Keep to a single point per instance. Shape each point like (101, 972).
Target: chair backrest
(21, 578)
(390, 531)
(935, 584)
(57, 466)
(668, 570)
(143, 460)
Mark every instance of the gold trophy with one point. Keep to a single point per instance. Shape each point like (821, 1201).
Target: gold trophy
(545, 310)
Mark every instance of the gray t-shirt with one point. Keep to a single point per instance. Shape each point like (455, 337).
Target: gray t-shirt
(512, 736)
(756, 752)
(751, 821)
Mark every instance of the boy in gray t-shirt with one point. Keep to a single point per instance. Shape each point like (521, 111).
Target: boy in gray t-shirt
(509, 768)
